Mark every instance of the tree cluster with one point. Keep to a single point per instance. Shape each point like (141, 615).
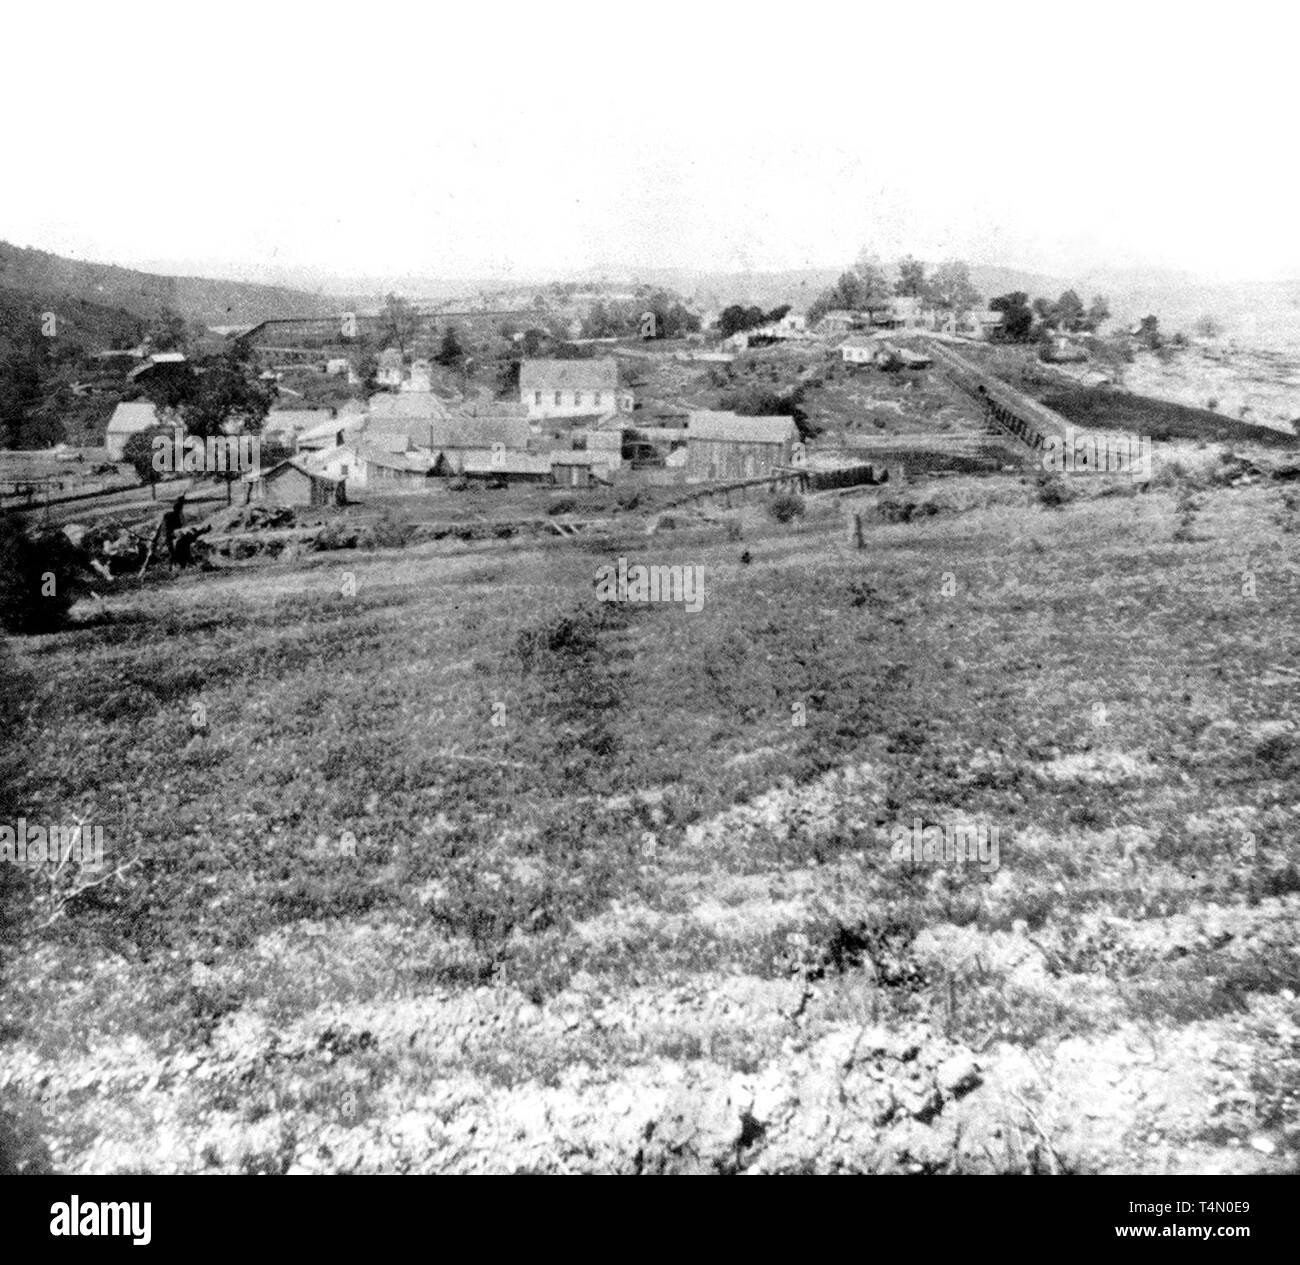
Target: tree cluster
(737, 318)
(1023, 321)
(626, 318)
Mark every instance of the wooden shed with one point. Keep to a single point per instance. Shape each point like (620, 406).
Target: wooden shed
(292, 484)
(728, 447)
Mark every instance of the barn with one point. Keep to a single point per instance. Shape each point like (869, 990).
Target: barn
(727, 446)
(504, 467)
(292, 484)
(579, 469)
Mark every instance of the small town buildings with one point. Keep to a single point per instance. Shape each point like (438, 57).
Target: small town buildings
(420, 378)
(292, 483)
(908, 311)
(160, 363)
(579, 469)
(571, 388)
(1060, 350)
(377, 472)
(129, 419)
(859, 349)
(793, 326)
(408, 405)
(285, 425)
(730, 447)
(607, 445)
(839, 321)
(389, 372)
(329, 432)
(984, 323)
(507, 467)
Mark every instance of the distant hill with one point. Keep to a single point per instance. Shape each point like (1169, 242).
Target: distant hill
(1263, 314)
(56, 280)
(92, 325)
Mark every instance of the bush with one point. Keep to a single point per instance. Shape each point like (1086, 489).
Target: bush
(565, 505)
(37, 578)
(335, 535)
(786, 507)
(1054, 492)
(388, 532)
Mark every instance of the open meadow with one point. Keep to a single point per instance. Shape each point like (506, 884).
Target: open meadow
(425, 859)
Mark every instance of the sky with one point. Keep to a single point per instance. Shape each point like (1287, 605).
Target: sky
(500, 140)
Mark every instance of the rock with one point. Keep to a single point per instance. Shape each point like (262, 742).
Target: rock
(958, 1075)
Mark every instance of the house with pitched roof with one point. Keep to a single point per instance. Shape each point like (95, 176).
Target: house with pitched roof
(292, 482)
(285, 425)
(500, 466)
(329, 432)
(572, 388)
(129, 419)
(726, 446)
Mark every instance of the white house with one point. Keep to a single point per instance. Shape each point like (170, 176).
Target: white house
(420, 377)
(571, 388)
(127, 420)
(859, 349)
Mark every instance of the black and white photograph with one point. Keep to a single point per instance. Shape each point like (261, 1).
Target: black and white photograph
(664, 589)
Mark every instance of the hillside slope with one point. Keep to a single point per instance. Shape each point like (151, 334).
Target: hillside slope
(202, 299)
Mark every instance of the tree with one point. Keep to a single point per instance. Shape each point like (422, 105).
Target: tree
(737, 318)
(20, 390)
(1068, 312)
(1097, 315)
(863, 288)
(217, 395)
(138, 453)
(450, 350)
(168, 331)
(874, 290)
(911, 278)
(224, 389)
(952, 289)
(37, 577)
(399, 321)
(1017, 316)
(596, 324)
(1148, 332)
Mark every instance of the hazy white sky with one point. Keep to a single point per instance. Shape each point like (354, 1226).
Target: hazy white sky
(488, 138)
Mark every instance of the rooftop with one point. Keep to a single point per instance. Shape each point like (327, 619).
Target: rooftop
(747, 430)
(137, 415)
(569, 375)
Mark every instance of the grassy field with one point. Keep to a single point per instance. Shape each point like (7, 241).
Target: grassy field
(434, 862)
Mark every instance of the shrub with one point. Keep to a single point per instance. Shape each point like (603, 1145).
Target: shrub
(388, 532)
(786, 507)
(565, 505)
(37, 578)
(335, 535)
(1054, 491)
